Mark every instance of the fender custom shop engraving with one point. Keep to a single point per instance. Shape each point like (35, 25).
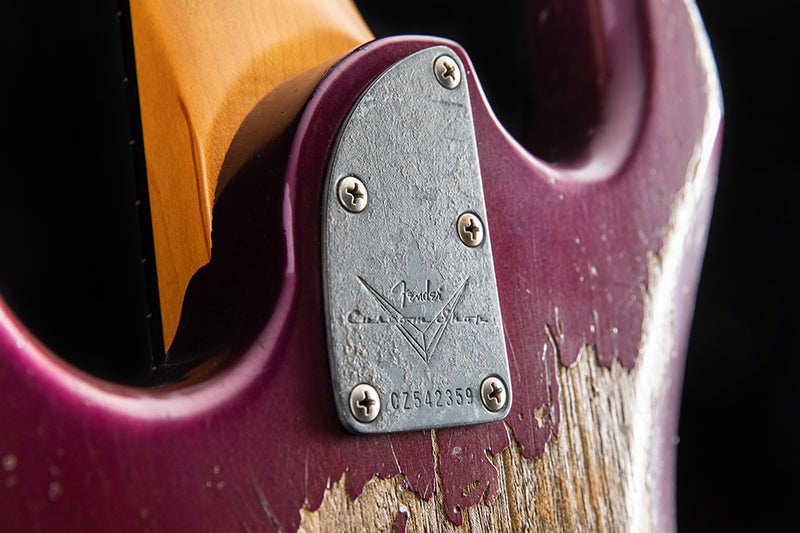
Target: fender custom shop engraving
(412, 306)
(422, 334)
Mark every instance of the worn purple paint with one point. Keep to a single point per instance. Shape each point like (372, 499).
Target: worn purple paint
(251, 445)
(401, 523)
(664, 452)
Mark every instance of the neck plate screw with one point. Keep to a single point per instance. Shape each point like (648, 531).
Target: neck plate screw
(365, 404)
(470, 229)
(494, 394)
(352, 194)
(447, 72)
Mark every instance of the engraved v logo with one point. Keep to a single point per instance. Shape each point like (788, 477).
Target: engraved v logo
(424, 341)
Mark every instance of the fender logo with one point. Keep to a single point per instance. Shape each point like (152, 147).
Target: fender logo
(421, 333)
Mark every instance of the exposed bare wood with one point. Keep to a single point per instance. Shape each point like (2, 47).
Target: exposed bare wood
(202, 67)
(581, 483)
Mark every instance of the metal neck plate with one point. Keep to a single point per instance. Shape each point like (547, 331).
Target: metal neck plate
(415, 336)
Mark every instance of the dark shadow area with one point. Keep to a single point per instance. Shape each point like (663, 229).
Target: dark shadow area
(229, 300)
(76, 253)
(737, 458)
(535, 60)
(72, 265)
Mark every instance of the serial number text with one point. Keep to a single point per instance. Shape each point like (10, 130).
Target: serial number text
(432, 399)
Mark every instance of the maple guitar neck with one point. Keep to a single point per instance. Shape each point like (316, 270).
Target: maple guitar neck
(201, 72)
(597, 261)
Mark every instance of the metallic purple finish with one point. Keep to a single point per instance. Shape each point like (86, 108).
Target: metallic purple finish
(665, 438)
(253, 444)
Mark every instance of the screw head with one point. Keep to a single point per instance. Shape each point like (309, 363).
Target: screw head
(447, 72)
(470, 229)
(493, 393)
(352, 194)
(365, 404)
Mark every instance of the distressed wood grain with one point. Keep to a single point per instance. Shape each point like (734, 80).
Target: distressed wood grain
(581, 483)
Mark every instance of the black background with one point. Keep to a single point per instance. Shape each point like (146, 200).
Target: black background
(67, 192)
(70, 252)
(738, 464)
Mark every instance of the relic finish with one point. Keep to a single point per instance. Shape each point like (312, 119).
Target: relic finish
(575, 248)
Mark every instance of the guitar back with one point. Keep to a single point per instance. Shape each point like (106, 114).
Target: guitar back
(597, 260)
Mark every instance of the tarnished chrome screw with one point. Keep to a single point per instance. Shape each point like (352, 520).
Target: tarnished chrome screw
(365, 404)
(352, 194)
(493, 393)
(447, 72)
(470, 229)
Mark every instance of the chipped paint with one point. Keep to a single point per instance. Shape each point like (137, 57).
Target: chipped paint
(278, 461)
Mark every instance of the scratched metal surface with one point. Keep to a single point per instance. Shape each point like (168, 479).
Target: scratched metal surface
(412, 310)
(260, 439)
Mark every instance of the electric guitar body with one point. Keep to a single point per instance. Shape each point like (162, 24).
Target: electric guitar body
(283, 287)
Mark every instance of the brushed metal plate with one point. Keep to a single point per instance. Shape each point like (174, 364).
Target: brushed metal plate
(413, 311)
